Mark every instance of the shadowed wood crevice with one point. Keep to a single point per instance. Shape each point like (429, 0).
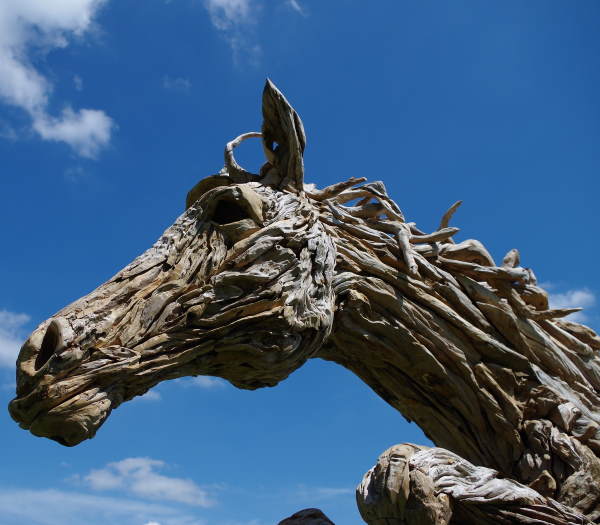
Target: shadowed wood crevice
(263, 272)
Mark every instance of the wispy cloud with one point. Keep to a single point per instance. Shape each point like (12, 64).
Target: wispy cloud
(582, 297)
(140, 477)
(235, 20)
(180, 84)
(78, 82)
(75, 174)
(202, 382)
(304, 493)
(226, 14)
(151, 395)
(57, 507)
(138, 495)
(30, 24)
(296, 6)
(11, 336)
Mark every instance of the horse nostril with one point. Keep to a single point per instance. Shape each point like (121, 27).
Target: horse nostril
(50, 343)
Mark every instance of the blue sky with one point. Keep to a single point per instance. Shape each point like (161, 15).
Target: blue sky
(111, 111)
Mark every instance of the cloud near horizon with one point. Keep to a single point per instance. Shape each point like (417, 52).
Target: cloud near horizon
(308, 494)
(11, 336)
(205, 382)
(31, 26)
(140, 477)
(58, 507)
(575, 298)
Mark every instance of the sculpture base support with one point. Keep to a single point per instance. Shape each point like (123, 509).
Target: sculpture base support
(416, 485)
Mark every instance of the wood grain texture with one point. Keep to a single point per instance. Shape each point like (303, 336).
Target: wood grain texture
(263, 272)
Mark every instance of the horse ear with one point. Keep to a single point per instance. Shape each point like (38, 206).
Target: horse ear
(283, 139)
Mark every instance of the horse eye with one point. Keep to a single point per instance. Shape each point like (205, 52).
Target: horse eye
(227, 211)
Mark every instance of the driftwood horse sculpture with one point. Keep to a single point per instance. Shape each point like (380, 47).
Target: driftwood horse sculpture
(263, 272)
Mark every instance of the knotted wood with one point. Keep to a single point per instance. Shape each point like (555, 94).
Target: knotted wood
(263, 272)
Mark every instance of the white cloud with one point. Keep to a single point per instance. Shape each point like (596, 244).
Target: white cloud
(235, 20)
(330, 492)
(226, 14)
(33, 26)
(151, 395)
(205, 382)
(86, 131)
(11, 336)
(305, 493)
(180, 84)
(577, 298)
(78, 82)
(57, 507)
(139, 477)
(295, 5)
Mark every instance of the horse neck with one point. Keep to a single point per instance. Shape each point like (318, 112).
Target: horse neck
(501, 398)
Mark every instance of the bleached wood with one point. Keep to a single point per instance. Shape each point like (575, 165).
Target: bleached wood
(416, 485)
(512, 258)
(441, 235)
(232, 168)
(262, 273)
(445, 221)
(334, 189)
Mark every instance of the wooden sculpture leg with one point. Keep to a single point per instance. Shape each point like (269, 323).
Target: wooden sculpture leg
(415, 485)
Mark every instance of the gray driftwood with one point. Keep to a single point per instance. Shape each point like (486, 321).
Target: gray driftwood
(263, 272)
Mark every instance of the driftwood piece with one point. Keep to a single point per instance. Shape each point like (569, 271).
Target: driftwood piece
(262, 273)
(486, 273)
(442, 234)
(414, 485)
(512, 259)
(403, 236)
(445, 221)
(284, 141)
(233, 169)
(471, 251)
(334, 189)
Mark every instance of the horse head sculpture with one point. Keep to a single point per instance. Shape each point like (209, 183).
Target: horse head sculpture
(263, 272)
(239, 287)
